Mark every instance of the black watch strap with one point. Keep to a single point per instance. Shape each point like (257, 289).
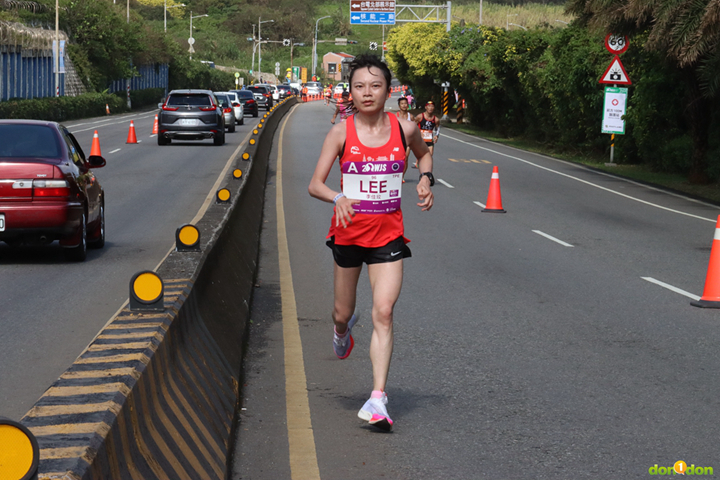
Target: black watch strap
(430, 177)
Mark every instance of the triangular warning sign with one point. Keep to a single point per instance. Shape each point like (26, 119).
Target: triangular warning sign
(616, 74)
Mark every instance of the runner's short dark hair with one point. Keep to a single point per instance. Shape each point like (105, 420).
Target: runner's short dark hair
(401, 99)
(367, 60)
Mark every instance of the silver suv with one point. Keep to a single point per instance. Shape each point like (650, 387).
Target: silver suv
(262, 94)
(191, 115)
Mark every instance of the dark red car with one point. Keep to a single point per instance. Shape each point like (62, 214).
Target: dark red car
(47, 190)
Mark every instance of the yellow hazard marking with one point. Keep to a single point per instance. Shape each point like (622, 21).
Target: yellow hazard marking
(88, 390)
(303, 457)
(16, 452)
(102, 347)
(223, 194)
(101, 428)
(485, 161)
(130, 326)
(127, 458)
(189, 235)
(474, 161)
(129, 336)
(65, 452)
(53, 410)
(453, 160)
(130, 357)
(110, 372)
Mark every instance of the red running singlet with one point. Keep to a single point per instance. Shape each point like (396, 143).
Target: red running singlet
(377, 229)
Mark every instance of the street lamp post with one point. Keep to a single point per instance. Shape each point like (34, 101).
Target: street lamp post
(165, 12)
(259, 42)
(191, 27)
(315, 44)
(57, 48)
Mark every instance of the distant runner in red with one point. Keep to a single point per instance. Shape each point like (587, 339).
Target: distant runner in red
(367, 226)
(429, 126)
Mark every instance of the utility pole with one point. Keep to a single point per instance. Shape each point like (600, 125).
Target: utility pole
(57, 49)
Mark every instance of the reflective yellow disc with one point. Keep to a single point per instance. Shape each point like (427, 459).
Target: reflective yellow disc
(188, 235)
(260, 125)
(223, 194)
(148, 287)
(255, 132)
(252, 141)
(16, 453)
(237, 173)
(246, 156)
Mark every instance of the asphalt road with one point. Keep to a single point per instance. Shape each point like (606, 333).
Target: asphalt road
(516, 356)
(50, 310)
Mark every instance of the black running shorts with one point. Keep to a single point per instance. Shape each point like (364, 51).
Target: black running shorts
(349, 256)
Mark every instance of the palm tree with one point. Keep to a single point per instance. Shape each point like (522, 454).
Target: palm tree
(687, 33)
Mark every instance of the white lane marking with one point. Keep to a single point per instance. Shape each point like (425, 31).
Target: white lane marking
(101, 124)
(550, 237)
(585, 181)
(671, 288)
(445, 183)
(153, 135)
(116, 150)
(479, 204)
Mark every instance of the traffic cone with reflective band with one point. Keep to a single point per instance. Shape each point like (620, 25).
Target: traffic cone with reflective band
(155, 126)
(107, 109)
(494, 200)
(711, 293)
(95, 149)
(131, 134)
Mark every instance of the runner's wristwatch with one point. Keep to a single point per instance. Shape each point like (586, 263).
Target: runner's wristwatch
(430, 177)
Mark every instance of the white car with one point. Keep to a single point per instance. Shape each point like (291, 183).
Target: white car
(237, 107)
(342, 86)
(273, 91)
(314, 88)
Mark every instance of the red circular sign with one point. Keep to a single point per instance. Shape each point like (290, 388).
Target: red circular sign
(615, 102)
(616, 44)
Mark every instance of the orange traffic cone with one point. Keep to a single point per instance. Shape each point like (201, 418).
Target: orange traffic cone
(95, 149)
(711, 293)
(107, 109)
(131, 134)
(494, 200)
(155, 126)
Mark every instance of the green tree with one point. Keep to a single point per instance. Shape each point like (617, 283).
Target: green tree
(686, 33)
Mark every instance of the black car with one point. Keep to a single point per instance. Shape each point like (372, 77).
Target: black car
(285, 91)
(191, 115)
(247, 98)
(263, 96)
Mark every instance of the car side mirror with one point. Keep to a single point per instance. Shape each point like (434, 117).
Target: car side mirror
(160, 105)
(96, 161)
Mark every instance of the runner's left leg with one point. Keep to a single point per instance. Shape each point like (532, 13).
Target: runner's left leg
(386, 283)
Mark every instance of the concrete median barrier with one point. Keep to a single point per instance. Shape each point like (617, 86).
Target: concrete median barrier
(154, 396)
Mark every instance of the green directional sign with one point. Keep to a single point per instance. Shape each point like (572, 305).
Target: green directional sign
(614, 110)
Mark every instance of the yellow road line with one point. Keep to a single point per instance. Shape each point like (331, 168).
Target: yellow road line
(303, 457)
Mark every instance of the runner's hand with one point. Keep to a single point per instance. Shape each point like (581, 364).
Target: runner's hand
(425, 194)
(344, 212)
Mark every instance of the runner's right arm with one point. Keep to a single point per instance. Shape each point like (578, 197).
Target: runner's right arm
(331, 149)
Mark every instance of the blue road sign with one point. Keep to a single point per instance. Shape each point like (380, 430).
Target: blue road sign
(372, 18)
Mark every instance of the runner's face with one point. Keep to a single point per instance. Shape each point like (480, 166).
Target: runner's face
(429, 108)
(403, 105)
(369, 90)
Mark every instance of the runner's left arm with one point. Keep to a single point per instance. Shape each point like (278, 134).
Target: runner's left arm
(425, 163)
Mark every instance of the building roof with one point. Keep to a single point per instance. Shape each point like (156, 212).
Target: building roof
(339, 54)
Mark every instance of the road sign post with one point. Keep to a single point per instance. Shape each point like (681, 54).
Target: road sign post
(613, 112)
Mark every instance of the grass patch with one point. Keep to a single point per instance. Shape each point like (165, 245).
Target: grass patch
(528, 15)
(641, 173)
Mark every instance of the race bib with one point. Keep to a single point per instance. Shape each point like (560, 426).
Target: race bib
(427, 135)
(378, 185)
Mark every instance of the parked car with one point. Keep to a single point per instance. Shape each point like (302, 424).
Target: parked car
(48, 191)
(262, 96)
(341, 86)
(228, 112)
(247, 99)
(237, 106)
(285, 91)
(191, 115)
(314, 88)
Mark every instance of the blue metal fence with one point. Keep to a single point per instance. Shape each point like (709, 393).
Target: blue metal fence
(27, 73)
(151, 76)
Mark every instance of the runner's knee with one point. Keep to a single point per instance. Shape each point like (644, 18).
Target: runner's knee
(342, 313)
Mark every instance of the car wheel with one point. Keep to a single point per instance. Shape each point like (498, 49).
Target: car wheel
(231, 129)
(219, 138)
(242, 121)
(79, 253)
(162, 140)
(256, 113)
(99, 241)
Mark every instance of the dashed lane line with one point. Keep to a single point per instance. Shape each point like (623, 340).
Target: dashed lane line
(609, 190)
(116, 150)
(671, 288)
(550, 237)
(481, 205)
(445, 183)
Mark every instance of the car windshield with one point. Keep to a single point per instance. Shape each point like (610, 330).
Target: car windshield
(223, 99)
(283, 87)
(245, 94)
(257, 89)
(192, 99)
(28, 141)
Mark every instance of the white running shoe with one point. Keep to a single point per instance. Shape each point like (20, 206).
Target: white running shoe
(376, 414)
(344, 345)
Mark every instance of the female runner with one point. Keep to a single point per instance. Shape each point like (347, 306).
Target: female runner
(367, 226)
